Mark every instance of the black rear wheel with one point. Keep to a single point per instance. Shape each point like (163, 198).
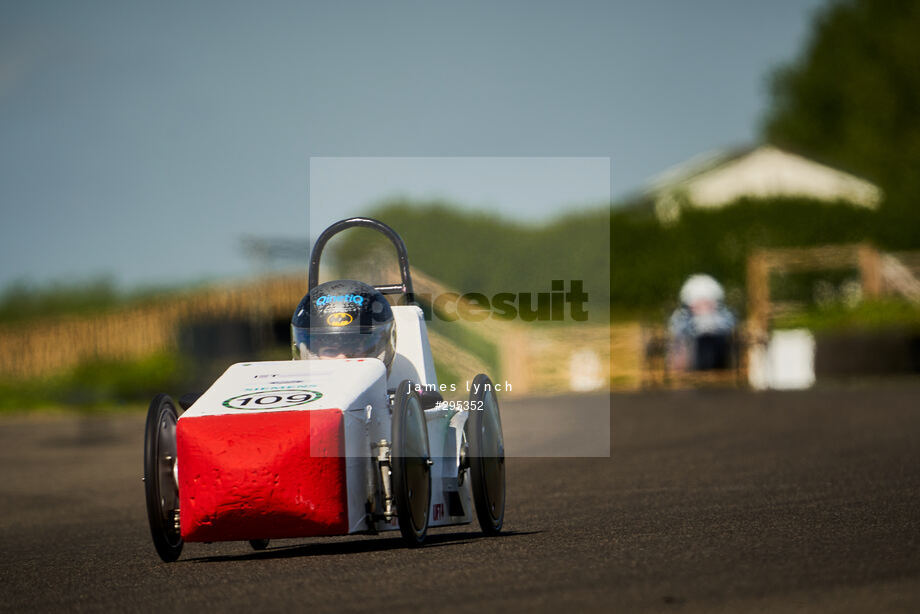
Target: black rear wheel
(159, 477)
(487, 455)
(258, 544)
(411, 464)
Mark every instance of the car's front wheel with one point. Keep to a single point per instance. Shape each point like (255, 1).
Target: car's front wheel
(159, 477)
(411, 464)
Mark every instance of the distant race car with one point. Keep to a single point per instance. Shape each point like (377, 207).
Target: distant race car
(306, 448)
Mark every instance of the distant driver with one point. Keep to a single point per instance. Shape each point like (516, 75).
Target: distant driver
(701, 328)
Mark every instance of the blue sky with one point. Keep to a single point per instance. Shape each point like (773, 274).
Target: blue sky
(142, 140)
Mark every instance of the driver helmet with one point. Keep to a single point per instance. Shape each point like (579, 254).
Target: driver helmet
(701, 288)
(343, 319)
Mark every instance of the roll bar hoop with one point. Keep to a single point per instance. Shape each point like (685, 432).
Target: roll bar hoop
(404, 287)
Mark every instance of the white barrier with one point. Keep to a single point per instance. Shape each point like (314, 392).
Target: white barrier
(787, 362)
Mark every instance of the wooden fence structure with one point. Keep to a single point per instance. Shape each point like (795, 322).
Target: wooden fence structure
(880, 273)
(43, 347)
(534, 359)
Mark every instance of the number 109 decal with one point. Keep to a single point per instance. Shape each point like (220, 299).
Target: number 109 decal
(272, 399)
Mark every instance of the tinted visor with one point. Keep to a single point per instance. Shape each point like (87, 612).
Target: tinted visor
(326, 343)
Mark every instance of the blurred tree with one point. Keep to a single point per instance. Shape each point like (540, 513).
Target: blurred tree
(23, 301)
(852, 100)
(481, 252)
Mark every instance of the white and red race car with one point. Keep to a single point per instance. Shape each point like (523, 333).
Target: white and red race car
(306, 448)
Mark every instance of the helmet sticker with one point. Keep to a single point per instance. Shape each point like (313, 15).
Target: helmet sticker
(339, 319)
(357, 299)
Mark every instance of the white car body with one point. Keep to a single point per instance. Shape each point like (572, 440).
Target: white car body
(260, 395)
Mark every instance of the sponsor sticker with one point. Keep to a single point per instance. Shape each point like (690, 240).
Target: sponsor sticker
(272, 399)
(339, 319)
(357, 299)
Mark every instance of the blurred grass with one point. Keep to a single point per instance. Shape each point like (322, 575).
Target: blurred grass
(867, 315)
(447, 376)
(96, 385)
(466, 337)
(21, 301)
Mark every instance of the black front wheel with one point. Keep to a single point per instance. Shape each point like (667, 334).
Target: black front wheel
(258, 544)
(160, 479)
(411, 464)
(487, 455)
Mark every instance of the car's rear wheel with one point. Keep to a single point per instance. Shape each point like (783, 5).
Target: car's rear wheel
(487, 455)
(258, 544)
(159, 477)
(411, 464)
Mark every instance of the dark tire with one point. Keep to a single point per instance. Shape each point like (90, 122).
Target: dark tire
(162, 492)
(258, 544)
(487, 456)
(411, 465)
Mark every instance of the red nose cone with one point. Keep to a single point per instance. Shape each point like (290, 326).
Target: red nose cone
(262, 475)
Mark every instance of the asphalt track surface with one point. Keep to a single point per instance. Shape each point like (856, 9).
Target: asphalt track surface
(709, 501)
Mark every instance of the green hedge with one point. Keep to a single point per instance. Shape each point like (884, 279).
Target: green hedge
(651, 261)
(647, 261)
(97, 384)
(867, 315)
